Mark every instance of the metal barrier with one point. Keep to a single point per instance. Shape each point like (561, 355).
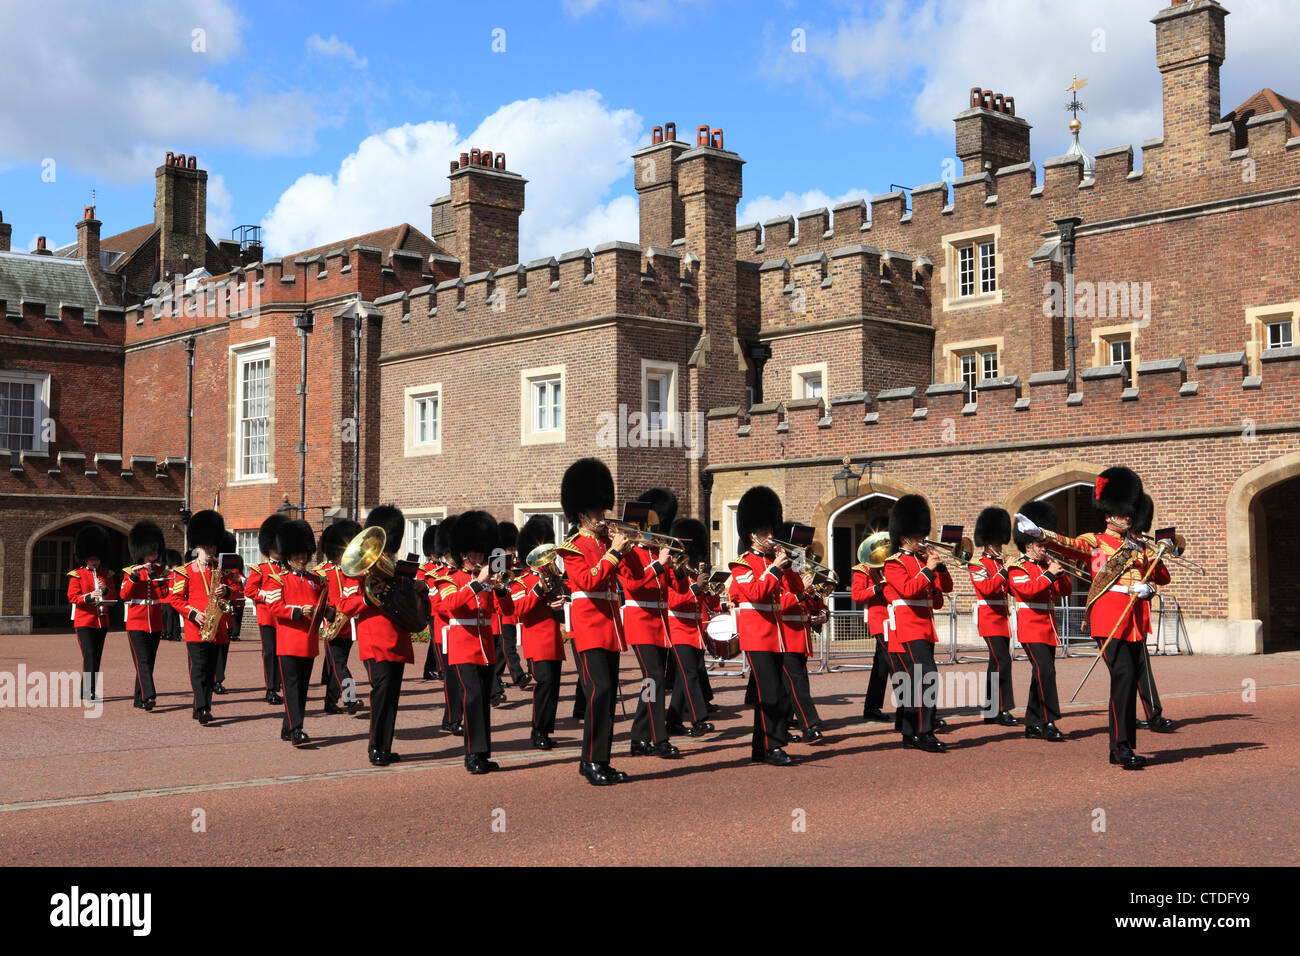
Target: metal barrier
(844, 637)
(1178, 628)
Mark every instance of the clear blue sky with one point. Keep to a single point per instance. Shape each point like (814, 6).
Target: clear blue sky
(281, 91)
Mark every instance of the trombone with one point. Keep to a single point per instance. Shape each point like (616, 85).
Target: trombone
(636, 533)
(961, 551)
(1174, 550)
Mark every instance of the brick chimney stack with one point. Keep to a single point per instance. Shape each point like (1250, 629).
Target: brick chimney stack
(1189, 52)
(6, 234)
(663, 217)
(486, 200)
(88, 252)
(180, 211)
(989, 134)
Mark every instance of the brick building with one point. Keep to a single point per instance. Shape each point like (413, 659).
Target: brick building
(924, 333)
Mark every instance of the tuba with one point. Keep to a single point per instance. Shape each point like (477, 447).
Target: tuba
(365, 558)
(874, 550)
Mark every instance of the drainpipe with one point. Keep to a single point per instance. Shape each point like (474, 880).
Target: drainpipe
(356, 413)
(303, 322)
(189, 425)
(1066, 228)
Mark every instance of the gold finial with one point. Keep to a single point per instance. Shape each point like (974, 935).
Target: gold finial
(1075, 126)
(1077, 85)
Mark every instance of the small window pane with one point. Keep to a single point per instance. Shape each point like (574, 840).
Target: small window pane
(988, 272)
(1279, 335)
(969, 375)
(990, 364)
(812, 386)
(966, 270)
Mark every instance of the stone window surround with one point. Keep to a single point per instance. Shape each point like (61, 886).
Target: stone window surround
(238, 354)
(948, 277)
(409, 448)
(800, 372)
(1258, 319)
(527, 435)
(1103, 335)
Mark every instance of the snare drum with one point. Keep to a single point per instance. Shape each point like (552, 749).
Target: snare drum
(721, 640)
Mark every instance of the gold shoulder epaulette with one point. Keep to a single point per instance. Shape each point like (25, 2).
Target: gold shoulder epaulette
(894, 557)
(568, 547)
(75, 572)
(861, 567)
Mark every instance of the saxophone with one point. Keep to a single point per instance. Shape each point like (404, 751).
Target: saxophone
(217, 608)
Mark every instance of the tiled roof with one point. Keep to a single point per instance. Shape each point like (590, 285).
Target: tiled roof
(404, 236)
(1267, 101)
(120, 245)
(49, 279)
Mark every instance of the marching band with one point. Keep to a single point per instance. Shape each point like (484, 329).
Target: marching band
(491, 596)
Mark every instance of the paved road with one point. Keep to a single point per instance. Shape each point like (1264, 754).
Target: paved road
(130, 787)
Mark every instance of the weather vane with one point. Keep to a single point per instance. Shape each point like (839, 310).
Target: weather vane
(1076, 105)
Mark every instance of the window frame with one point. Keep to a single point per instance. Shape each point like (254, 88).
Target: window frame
(972, 262)
(1288, 324)
(670, 423)
(800, 374)
(417, 520)
(529, 379)
(40, 406)
(411, 396)
(242, 356)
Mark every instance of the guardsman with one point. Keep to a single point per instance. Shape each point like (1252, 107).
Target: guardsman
(453, 717)
(1147, 693)
(144, 591)
(193, 586)
(1037, 581)
(235, 578)
(801, 611)
(505, 628)
(868, 588)
(470, 599)
(298, 592)
(757, 581)
(429, 572)
(171, 620)
(538, 601)
(643, 574)
(92, 590)
(591, 562)
(992, 618)
(387, 613)
(915, 582)
(339, 685)
(686, 619)
(1120, 580)
(255, 591)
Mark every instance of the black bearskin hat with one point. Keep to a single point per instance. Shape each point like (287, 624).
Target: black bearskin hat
(508, 532)
(475, 531)
(335, 539)
(171, 557)
(992, 527)
(696, 537)
(205, 530)
(1040, 513)
(295, 537)
(536, 530)
(266, 533)
(442, 537)
(908, 518)
(145, 539)
(91, 542)
(1142, 515)
(393, 522)
(664, 504)
(759, 507)
(586, 485)
(429, 541)
(1116, 491)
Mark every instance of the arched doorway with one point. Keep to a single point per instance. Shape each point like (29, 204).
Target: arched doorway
(1263, 532)
(51, 557)
(848, 525)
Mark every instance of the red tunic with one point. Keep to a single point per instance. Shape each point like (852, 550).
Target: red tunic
(686, 611)
(253, 590)
(378, 638)
(1036, 593)
(1112, 608)
(144, 597)
(756, 594)
(470, 607)
(914, 593)
(81, 584)
(539, 624)
(645, 604)
(867, 590)
(989, 576)
(189, 595)
(294, 591)
(590, 570)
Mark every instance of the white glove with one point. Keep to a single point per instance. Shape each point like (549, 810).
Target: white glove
(1144, 591)
(1025, 526)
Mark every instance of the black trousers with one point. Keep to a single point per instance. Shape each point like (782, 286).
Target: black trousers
(475, 696)
(1044, 706)
(705, 687)
(433, 656)
(1147, 692)
(91, 642)
(338, 678)
(203, 668)
(998, 684)
(546, 695)
(649, 723)
(144, 651)
(688, 696)
(920, 679)
(1124, 659)
(598, 677)
(671, 673)
(507, 654)
(237, 617)
(794, 669)
(295, 672)
(451, 690)
(385, 691)
(770, 704)
(171, 623)
(579, 695)
(223, 651)
(879, 679)
(270, 667)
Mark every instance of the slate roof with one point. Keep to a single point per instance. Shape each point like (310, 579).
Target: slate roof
(49, 279)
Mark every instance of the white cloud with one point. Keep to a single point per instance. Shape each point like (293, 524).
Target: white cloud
(762, 208)
(569, 146)
(335, 47)
(931, 54)
(112, 87)
(636, 11)
(220, 207)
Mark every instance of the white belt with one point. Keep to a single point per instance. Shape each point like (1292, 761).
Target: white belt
(1122, 588)
(143, 601)
(924, 604)
(685, 615)
(645, 605)
(468, 621)
(991, 604)
(746, 606)
(593, 595)
(1024, 606)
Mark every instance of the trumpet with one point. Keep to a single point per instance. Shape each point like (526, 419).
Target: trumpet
(962, 551)
(802, 559)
